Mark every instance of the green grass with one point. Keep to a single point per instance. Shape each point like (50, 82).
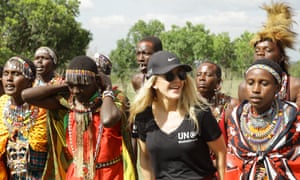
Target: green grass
(230, 87)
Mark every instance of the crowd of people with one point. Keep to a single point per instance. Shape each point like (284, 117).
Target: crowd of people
(178, 126)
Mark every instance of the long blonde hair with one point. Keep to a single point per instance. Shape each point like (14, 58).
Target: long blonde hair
(190, 102)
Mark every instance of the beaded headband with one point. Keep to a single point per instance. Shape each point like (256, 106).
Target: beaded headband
(267, 68)
(80, 76)
(21, 66)
(49, 51)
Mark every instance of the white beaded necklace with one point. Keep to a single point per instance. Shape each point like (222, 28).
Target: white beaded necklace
(21, 117)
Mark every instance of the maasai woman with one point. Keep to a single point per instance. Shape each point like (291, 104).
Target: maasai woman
(23, 130)
(45, 62)
(93, 124)
(263, 133)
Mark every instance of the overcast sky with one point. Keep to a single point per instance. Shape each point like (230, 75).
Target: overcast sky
(110, 20)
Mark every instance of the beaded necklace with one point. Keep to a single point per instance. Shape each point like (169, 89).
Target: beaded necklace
(217, 104)
(259, 130)
(94, 103)
(83, 115)
(92, 106)
(21, 117)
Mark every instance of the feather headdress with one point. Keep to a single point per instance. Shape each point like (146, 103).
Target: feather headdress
(278, 26)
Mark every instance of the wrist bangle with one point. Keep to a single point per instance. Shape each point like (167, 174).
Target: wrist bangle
(108, 94)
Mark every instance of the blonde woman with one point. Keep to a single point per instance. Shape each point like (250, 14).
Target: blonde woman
(175, 128)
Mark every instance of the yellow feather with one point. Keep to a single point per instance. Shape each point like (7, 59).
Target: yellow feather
(278, 26)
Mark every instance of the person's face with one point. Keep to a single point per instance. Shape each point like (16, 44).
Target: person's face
(82, 92)
(144, 50)
(207, 80)
(261, 89)
(170, 85)
(268, 50)
(43, 63)
(13, 80)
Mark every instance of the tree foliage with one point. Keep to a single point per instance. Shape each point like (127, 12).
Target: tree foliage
(223, 50)
(243, 53)
(192, 43)
(29, 24)
(123, 61)
(142, 29)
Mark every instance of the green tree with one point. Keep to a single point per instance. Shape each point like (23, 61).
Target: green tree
(142, 29)
(123, 61)
(29, 24)
(243, 53)
(190, 43)
(223, 50)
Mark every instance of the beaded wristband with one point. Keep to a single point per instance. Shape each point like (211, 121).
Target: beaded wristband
(108, 94)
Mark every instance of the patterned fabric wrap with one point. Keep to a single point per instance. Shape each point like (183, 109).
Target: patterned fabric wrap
(38, 160)
(130, 171)
(58, 160)
(281, 159)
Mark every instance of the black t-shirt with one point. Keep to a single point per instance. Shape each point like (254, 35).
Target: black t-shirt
(184, 153)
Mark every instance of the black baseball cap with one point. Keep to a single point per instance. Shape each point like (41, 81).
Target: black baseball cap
(162, 62)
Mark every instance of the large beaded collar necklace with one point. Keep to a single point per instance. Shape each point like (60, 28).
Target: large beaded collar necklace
(260, 129)
(20, 117)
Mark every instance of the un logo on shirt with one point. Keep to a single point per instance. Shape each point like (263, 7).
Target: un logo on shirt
(186, 137)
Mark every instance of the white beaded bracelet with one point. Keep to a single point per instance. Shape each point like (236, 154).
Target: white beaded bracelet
(108, 94)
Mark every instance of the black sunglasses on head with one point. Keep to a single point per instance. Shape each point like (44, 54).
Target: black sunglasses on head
(170, 76)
